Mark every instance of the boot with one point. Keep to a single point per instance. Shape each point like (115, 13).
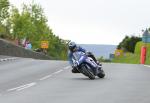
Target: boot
(74, 70)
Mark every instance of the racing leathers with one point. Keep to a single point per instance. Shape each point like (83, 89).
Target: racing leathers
(70, 56)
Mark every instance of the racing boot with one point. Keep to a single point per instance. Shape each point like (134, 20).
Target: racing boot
(75, 70)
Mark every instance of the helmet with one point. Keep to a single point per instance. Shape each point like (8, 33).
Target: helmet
(72, 46)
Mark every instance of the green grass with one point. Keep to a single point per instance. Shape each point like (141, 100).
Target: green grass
(148, 54)
(134, 58)
(138, 50)
(127, 58)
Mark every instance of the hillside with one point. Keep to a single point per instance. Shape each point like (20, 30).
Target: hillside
(99, 50)
(134, 58)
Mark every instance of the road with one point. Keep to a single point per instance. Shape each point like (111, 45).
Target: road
(44, 81)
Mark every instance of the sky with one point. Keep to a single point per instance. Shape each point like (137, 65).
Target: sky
(94, 21)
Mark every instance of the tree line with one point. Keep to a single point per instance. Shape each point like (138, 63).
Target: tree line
(30, 22)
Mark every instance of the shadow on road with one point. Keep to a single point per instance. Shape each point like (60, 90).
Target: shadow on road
(87, 79)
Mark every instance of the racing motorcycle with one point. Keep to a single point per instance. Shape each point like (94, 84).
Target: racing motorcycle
(86, 65)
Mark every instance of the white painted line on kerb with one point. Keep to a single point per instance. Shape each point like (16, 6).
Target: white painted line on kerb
(22, 87)
(7, 59)
(3, 60)
(46, 77)
(147, 65)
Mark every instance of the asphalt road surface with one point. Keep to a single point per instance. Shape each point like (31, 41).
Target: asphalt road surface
(42, 81)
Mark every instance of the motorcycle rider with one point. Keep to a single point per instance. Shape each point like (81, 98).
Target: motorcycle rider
(72, 48)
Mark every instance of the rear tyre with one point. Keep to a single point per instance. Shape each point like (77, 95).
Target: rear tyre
(101, 74)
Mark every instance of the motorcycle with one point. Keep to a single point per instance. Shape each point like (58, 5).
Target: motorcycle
(86, 65)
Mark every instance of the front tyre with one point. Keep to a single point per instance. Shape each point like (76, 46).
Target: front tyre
(87, 72)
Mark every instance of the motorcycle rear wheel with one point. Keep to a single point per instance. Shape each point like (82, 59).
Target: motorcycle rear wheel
(101, 74)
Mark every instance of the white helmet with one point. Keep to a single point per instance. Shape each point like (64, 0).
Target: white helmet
(72, 46)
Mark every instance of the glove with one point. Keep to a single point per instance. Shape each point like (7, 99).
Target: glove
(76, 64)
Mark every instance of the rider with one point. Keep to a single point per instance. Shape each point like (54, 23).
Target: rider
(72, 48)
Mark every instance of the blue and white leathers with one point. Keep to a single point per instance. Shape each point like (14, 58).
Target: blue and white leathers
(80, 57)
(70, 54)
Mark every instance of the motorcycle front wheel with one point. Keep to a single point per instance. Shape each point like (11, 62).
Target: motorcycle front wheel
(87, 72)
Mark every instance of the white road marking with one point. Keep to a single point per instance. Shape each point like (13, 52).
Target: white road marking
(34, 83)
(27, 86)
(22, 87)
(46, 77)
(66, 68)
(147, 65)
(16, 88)
(58, 71)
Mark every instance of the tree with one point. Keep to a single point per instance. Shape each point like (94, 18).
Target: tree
(128, 43)
(30, 23)
(4, 14)
(4, 6)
